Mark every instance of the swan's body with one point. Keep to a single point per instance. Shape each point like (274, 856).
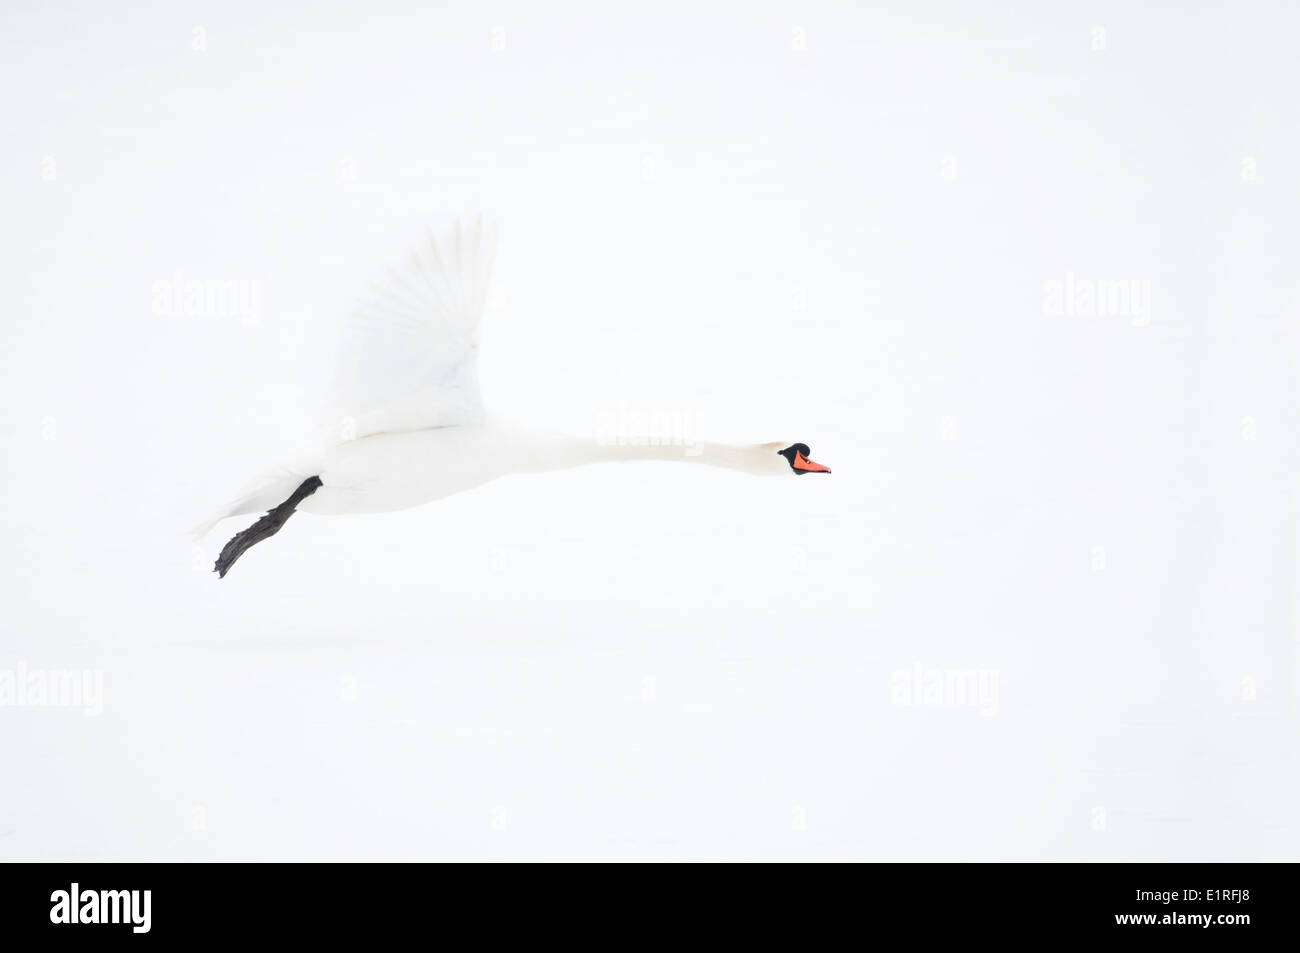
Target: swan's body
(430, 436)
(387, 472)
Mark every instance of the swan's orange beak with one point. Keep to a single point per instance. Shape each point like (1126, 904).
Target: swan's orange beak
(807, 466)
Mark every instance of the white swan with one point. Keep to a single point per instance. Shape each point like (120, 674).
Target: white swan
(433, 437)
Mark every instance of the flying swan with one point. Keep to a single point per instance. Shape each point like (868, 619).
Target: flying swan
(433, 437)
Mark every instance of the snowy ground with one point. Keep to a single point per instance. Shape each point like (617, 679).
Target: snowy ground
(1045, 606)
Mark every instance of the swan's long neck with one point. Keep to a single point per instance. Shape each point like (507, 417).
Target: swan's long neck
(556, 452)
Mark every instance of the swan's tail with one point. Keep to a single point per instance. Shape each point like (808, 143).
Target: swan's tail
(258, 496)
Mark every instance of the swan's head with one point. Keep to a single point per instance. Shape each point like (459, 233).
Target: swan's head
(797, 457)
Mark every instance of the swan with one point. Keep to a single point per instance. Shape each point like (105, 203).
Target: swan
(432, 437)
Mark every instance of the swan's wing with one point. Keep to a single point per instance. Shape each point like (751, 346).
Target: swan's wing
(408, 356)
(410, 353)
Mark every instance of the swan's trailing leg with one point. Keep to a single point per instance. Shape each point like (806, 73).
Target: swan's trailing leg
(264, 528)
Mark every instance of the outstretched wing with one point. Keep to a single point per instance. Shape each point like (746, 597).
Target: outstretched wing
(410, 354)
(407, 360)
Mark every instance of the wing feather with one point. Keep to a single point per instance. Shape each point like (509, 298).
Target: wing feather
(411, 348)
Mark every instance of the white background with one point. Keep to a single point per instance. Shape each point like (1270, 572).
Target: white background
(779, 221)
